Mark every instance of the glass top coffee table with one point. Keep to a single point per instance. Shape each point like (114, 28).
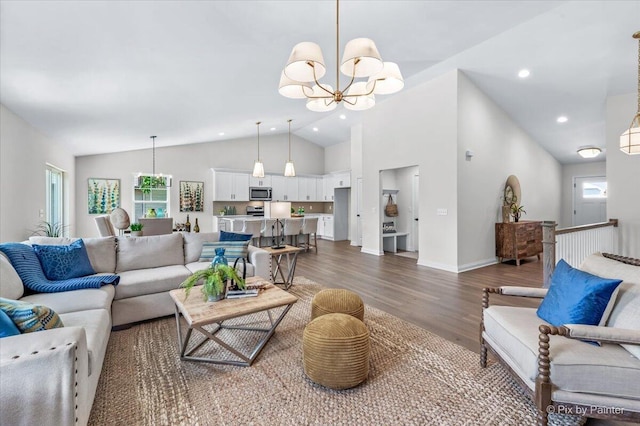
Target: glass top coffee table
(208, 318)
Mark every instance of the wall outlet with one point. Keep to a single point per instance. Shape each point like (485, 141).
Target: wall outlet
(310, 207)
(442, 212)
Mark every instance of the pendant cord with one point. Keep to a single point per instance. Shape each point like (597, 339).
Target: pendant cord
(637, 35)
(154, 155)
(337, 45)
(258, 124)
(289, 139)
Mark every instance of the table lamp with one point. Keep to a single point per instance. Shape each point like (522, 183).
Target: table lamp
(277, 210)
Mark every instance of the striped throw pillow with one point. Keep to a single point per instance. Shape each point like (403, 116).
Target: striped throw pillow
(29, 318)
(232, 250)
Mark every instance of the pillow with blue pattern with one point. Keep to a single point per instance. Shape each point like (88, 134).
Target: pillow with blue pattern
(577, 297)
(7, 326)
(232, 250)
(234, 236)
(64, 262)
(29, 318)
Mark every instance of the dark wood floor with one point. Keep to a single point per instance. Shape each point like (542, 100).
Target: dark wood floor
(444, 303)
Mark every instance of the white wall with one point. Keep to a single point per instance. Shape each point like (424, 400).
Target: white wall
(193, 163)
(337, 157)
(623, 175)
(24, 154)
(501, 149)
(415, 127)
(570, 171)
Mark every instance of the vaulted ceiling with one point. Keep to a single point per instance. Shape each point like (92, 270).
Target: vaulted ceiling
(102, 76)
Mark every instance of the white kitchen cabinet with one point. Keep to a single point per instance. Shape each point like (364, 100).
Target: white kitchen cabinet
(307, 189)
(230, 186)
(319, 189)
(284, 188)
(328, 227)
(342, 180)
(328, 185)
(260, 182)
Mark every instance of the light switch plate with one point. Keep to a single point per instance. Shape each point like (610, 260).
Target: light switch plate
(442, 212)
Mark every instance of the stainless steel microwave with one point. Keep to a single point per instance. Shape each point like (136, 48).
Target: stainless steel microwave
(259, 193)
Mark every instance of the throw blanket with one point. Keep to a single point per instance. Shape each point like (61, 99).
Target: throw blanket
(27, 265)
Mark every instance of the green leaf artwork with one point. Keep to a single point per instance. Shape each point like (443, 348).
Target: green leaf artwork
(103, 195)
(191, 196)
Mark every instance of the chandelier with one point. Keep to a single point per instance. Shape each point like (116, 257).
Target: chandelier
(360, 60)
(155, 180)
(630, 139)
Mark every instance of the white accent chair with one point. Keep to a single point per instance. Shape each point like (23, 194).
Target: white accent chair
(309, 227)
(105, 228)
(292, 228)
(253, 227)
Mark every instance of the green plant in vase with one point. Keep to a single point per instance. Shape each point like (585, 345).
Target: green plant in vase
(517, 211)
(136, 229)
(215, 280)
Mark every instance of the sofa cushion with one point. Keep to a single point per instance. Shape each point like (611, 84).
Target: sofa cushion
(197, 266)
(97, 326)
(149, 252)
(30, 318)
(7, 326)
(193, 244)
(77, 300)
(11, 285)
(234, 236)
(101, 251)
(232, 250)
(611, 370)
(154, 280)
(577, 297)
(64, 261)
(626, 311)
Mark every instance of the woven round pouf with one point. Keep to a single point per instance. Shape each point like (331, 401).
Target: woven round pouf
(336, 300)
(336, 350)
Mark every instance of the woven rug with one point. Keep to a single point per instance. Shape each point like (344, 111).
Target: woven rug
(415, 378)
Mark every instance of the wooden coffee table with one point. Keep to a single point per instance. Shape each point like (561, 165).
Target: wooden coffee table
(198, 313)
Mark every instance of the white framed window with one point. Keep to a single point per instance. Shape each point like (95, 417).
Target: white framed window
(150, 196)
(55, 197)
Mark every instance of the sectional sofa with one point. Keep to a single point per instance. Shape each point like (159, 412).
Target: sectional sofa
(50, 377)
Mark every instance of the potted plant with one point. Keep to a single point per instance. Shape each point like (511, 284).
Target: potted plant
(215, 281)
(517, 211)
(136, 229)
(48, 229)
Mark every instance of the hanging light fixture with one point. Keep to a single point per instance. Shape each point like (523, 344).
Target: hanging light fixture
(630, 139)
(258, 167)
(155, 180)
(289, 170)
(360, 59)
(589, 152)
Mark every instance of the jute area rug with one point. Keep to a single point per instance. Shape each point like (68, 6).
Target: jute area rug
(415, 378)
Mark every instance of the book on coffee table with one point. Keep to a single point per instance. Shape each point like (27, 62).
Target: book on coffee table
(237, 294)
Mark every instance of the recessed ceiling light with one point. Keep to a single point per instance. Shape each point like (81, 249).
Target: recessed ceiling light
(221, 134)
(315, 129)
(272, 129)
(562, 119)
(524, 73)
(343, 117)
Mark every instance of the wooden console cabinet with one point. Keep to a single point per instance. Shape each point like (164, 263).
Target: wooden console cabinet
(517, 240)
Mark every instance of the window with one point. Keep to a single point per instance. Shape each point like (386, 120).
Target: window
(150, 196)
(55, 197)
(594, 189)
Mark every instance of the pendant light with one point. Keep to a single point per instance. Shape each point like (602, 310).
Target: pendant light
(156, 180)
(258, 167)
(630, 139)
(289, 170)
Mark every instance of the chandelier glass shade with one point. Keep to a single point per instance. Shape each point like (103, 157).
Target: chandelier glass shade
(258, 167)
(155, 180)
(289, 169)
(630, 139)
(360, 59)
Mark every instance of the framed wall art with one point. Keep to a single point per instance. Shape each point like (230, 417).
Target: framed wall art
(103, 195)
(191, 196)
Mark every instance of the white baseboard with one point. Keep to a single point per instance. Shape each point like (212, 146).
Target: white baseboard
(373, 252)
(436, 265)
(476, 265)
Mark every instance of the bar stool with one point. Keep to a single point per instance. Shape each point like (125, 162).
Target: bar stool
(292, 228)
(267, 231)
(253, 227)
(310, 226)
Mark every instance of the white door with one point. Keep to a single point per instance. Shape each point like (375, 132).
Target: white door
(589, 200)
(359, 212)
(415, 209)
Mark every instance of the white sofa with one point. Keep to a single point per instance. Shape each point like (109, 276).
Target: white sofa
(50, 377)
(561, 372)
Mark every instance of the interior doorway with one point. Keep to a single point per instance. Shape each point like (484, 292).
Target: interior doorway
(589, 200)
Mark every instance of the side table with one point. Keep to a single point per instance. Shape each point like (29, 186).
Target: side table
(277, 257)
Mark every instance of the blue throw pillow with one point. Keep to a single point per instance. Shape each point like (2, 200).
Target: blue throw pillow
(577, 297)
(64, 262)
(7, 326)
(234, 236)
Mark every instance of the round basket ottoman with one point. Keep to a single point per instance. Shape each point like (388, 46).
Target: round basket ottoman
(336, 300)
(335, 351)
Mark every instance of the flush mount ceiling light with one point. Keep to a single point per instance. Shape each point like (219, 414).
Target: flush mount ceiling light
(589, 152)
(360, 59)
(155, 180)
(630, 139)
(562, 119)
(524, 73)
(258, 167)
(289, 170)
